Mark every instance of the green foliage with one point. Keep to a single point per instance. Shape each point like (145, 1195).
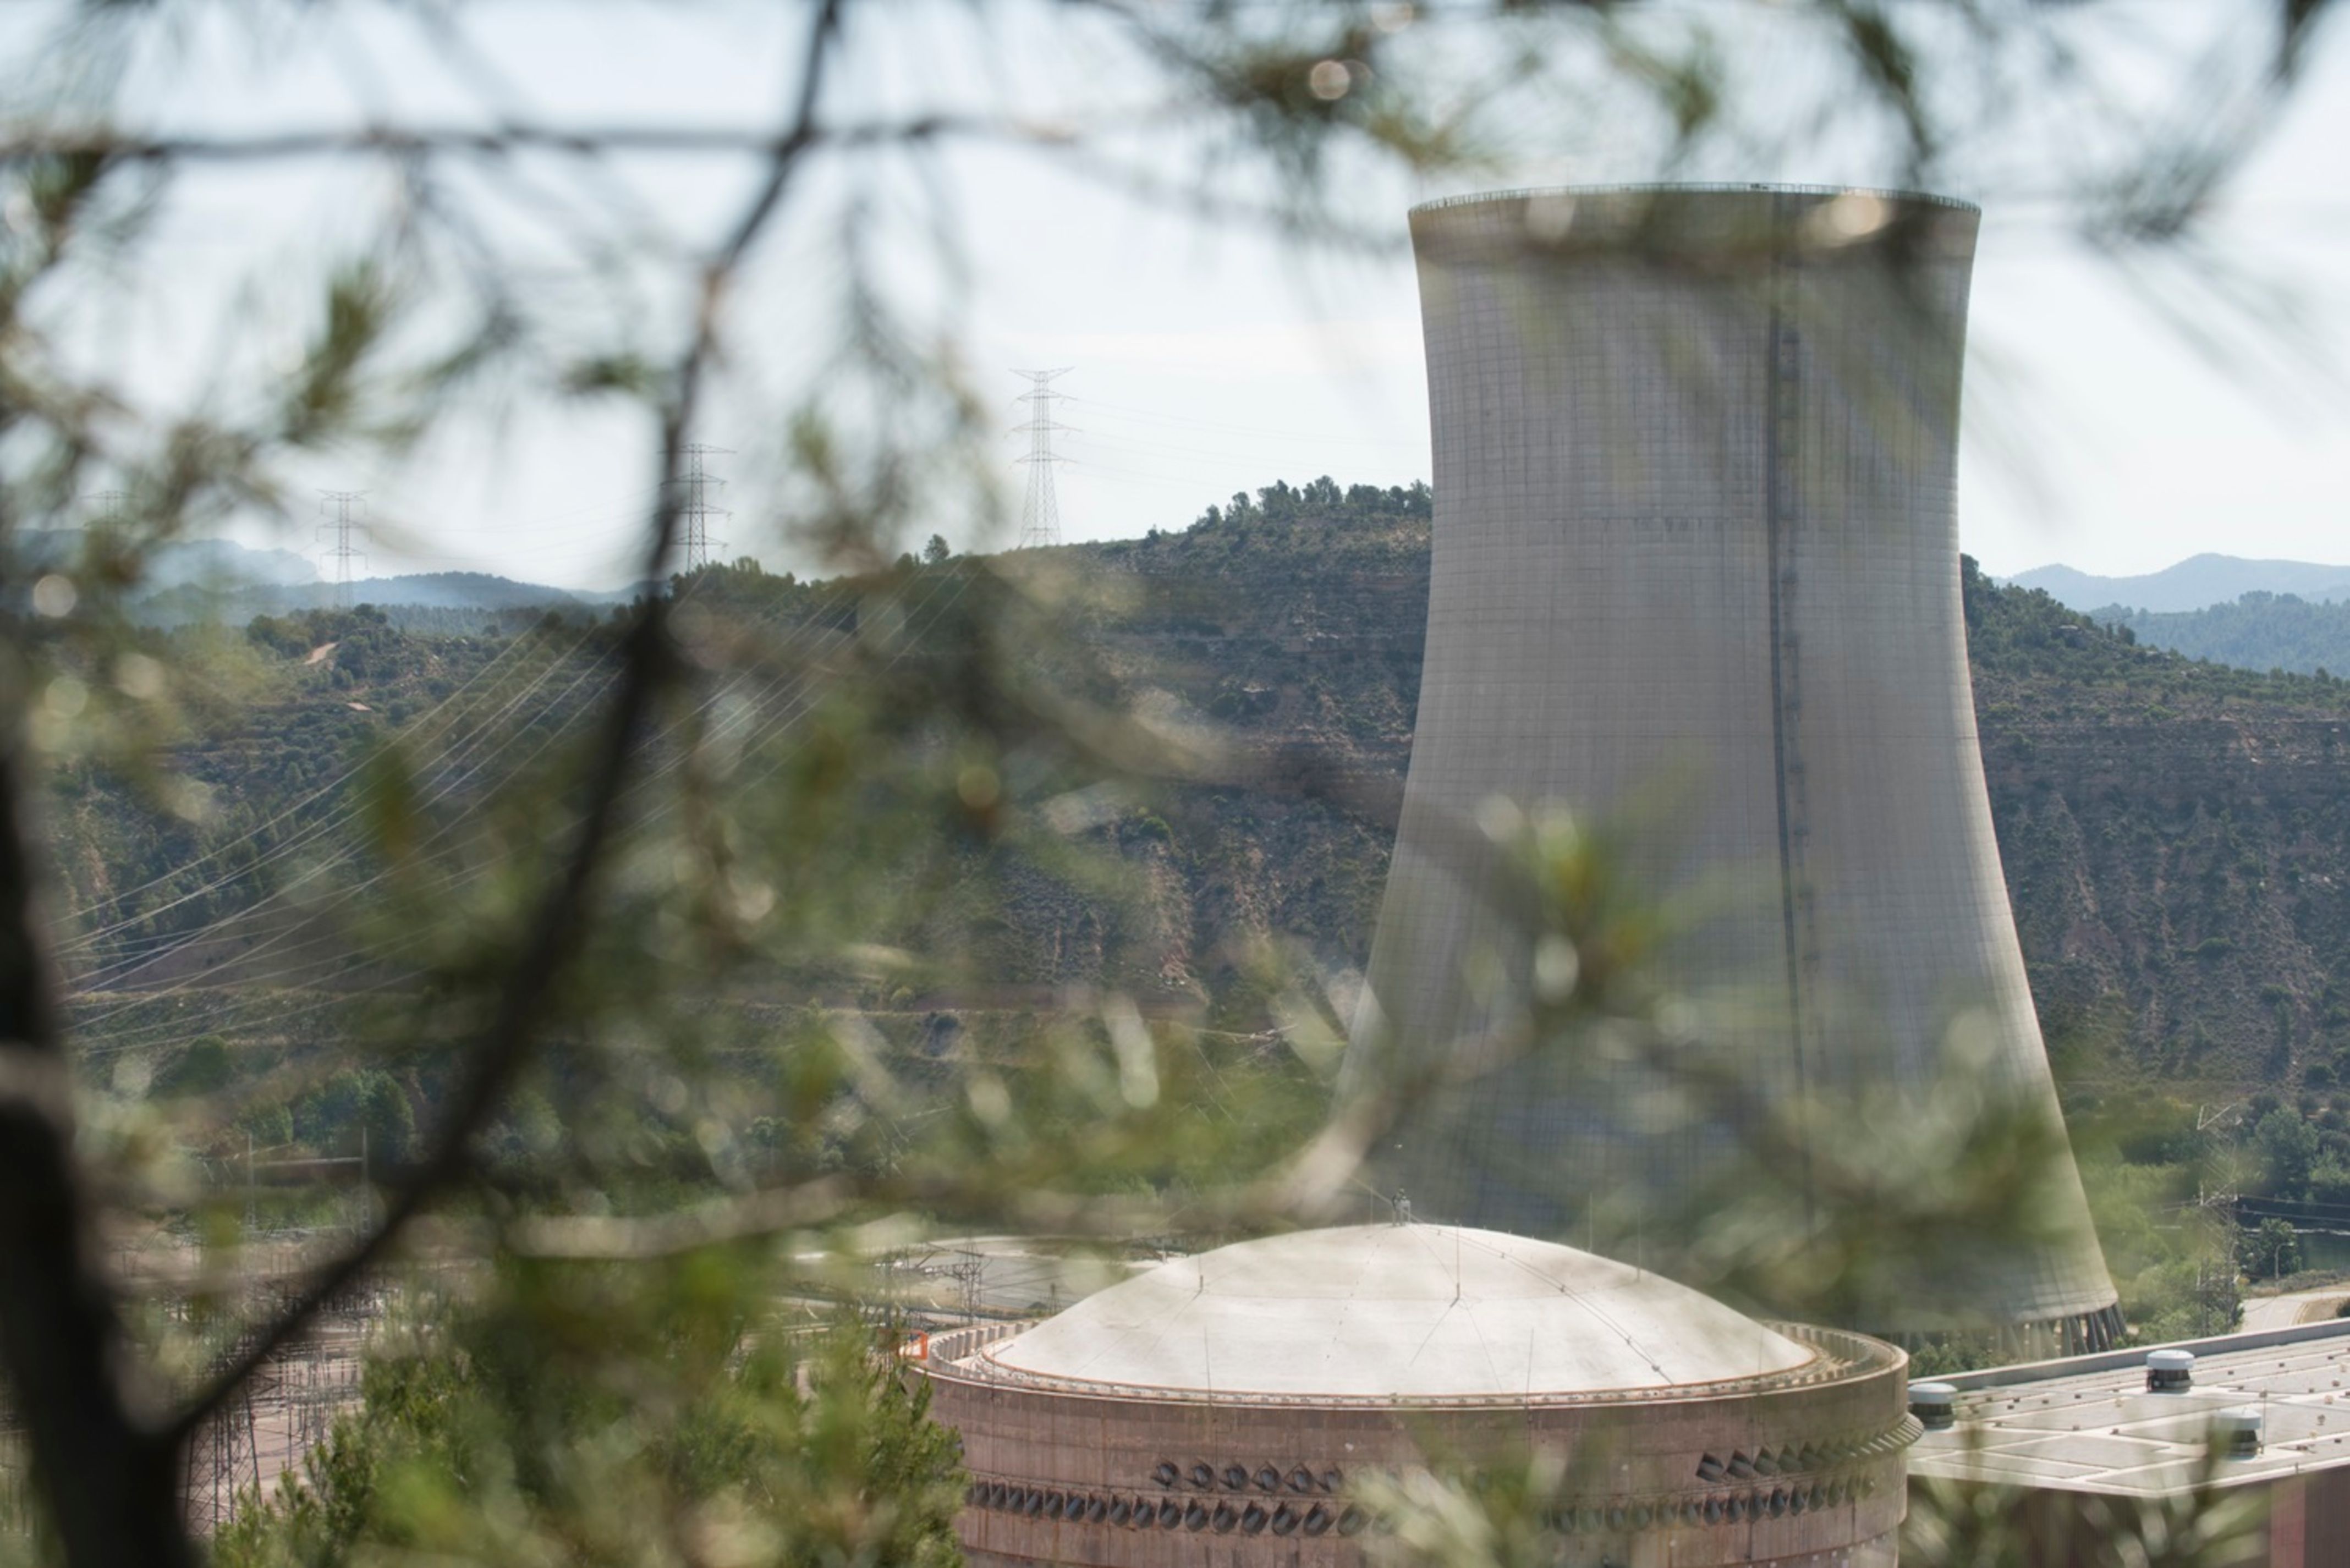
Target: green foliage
(1319, 500)
(2259, 631)
(269, 1126)
(355, 1102)
(2270, 1251)
(2172, 1262)
(203, 1068)
(2201, 1525)
(622, 1414)
(2288, 1150)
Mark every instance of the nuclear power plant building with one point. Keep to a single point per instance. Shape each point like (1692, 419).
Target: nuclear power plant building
(1245, 1407)
(1696, 578)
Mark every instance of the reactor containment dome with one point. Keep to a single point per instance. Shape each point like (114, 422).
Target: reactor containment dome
(1696, 577)
(1260, 1403)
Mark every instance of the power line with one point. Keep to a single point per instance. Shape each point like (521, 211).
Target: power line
(349, 518)
(293, 975)
(1040, 516)
(696, 511)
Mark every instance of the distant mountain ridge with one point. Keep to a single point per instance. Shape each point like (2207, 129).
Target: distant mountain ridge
(180, 563)
(2197, 583)
(191, 580)
(422, 590)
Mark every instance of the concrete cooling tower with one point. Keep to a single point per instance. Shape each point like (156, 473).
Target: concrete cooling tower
(1696, 575)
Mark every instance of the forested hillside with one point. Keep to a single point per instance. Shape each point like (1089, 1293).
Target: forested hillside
(2255, 631)
(2177, 840)
(2177, 835)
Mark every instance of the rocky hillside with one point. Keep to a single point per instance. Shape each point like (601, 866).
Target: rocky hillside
(2177, 839)
(2177, 835)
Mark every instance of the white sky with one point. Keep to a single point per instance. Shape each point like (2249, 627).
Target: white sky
(1206, 360)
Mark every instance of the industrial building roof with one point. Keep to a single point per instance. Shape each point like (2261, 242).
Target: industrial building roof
(2088, 1424)
(1399, 1312)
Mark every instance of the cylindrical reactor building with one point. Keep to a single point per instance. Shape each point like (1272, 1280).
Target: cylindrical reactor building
(1249, 1406)
(1696, 578)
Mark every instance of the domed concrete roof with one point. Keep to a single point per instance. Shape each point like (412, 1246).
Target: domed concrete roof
(1408, 1312)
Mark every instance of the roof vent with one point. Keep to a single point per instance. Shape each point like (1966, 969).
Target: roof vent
(2237, 1433)
(2169, 1371)
(1935, 1404)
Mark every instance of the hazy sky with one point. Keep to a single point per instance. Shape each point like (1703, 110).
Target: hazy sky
(1205, 359)
(2097, 433)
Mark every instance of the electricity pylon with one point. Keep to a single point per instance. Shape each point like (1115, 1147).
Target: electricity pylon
(695, 510)
(1040, 516)
(349, 518)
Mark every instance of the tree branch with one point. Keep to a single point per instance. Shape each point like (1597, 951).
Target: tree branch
(111, 1485)
(647, 662)
(515, 136)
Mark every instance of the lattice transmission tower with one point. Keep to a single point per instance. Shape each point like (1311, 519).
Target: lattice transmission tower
(696, 509)
(1040, 516)
(347, 519)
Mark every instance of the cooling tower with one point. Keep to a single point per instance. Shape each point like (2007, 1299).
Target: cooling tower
(1696, 571)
